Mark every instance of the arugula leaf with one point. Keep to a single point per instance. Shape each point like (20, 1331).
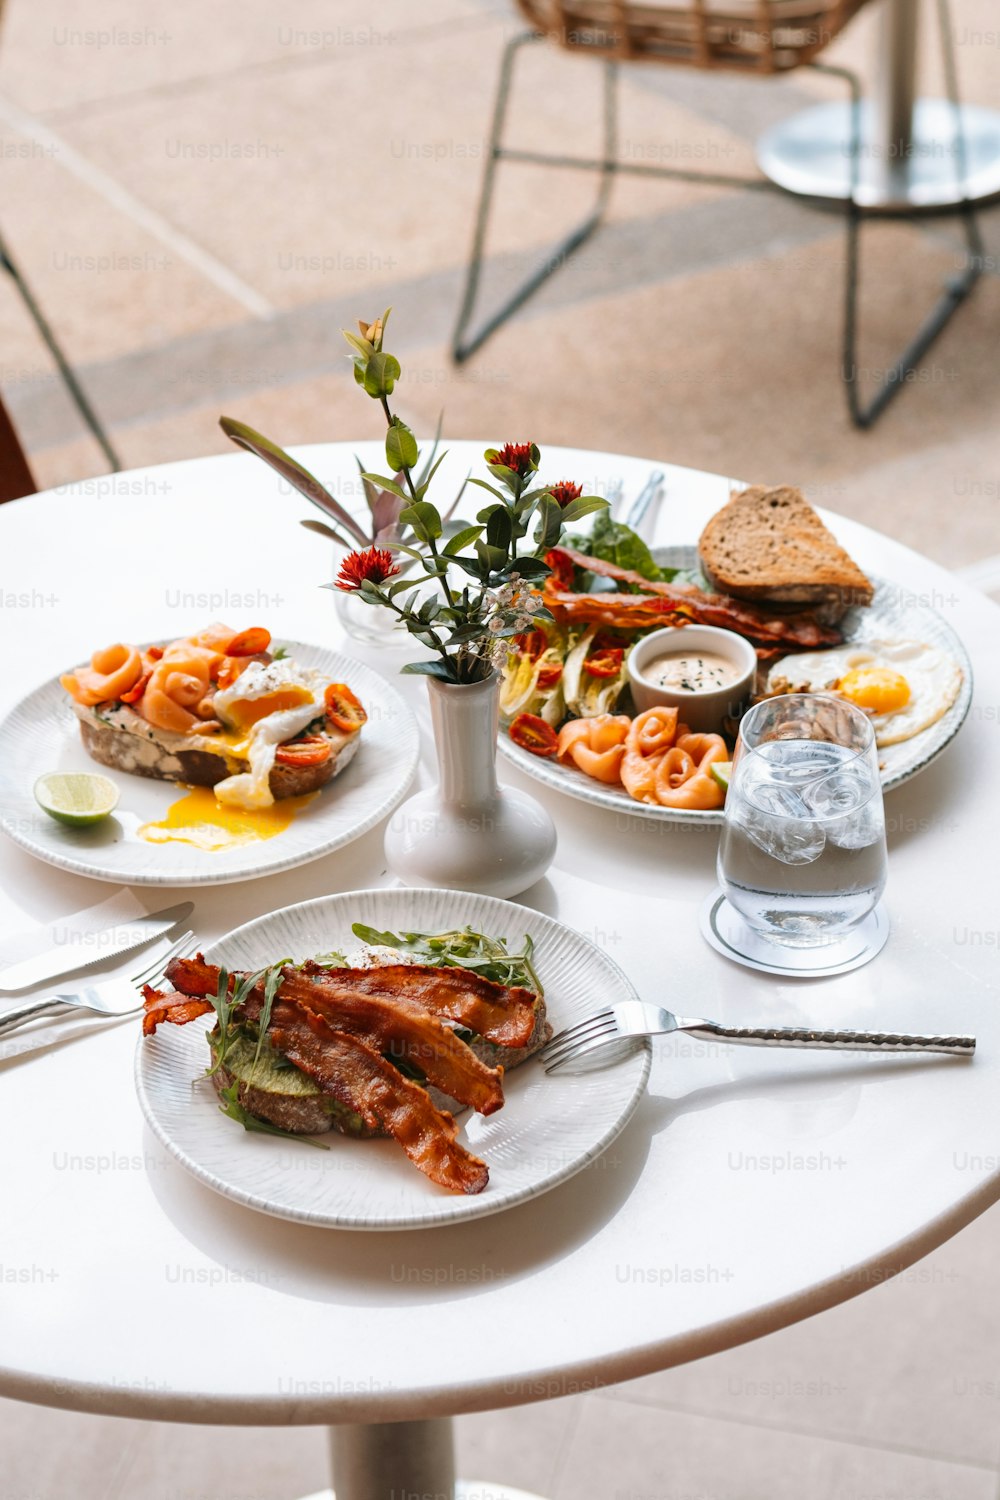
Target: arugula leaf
(272, 984)
(232, 1107)
(462, 949)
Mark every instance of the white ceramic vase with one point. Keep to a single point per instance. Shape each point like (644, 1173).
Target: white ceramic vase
(468, 833)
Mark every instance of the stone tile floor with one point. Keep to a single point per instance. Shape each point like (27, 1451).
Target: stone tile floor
(201, 196)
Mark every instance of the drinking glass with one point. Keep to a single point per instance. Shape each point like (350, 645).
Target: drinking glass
(802, 856)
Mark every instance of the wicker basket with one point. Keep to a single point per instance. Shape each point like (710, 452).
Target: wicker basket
(753, 36)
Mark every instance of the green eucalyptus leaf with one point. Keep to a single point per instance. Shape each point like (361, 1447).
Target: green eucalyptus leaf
(583, 507)
(381, 373)
(462, 539)
(401, 451)
(385, 483)
(364, 348)
(439, 669)
(499, 529)
(423, 518)
(484, 486)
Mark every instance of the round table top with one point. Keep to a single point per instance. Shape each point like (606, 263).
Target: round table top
(751, 1188)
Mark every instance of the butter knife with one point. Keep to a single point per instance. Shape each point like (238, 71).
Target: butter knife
(66, 958)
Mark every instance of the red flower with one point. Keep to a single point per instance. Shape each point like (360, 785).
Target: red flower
(565, 491)
(376, 565)
(516, 457)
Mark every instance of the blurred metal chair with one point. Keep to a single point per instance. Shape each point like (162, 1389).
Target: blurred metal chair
(763, 37)
(69, 377)
(16, 478)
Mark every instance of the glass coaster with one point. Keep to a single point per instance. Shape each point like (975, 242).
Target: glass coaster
(725, 930)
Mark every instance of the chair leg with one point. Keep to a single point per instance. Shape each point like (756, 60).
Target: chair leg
(73, 386)
(16, 479)
(464, 345)
(956, 289)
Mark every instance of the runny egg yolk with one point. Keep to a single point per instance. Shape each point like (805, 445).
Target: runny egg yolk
(197, 818)
(875, 688)
(246, 712)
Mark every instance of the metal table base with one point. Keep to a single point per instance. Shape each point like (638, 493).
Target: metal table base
(404, 1461)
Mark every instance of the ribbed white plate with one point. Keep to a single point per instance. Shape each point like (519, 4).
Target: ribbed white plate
(893, 612)
(42, 734)
(546, 1131)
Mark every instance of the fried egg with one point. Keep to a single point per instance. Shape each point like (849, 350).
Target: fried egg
(266, 705)
(903, 686)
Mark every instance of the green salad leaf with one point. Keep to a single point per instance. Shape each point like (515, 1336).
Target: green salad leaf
(616, 543)
(462, 949)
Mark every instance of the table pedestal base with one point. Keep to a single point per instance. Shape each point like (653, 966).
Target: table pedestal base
(404, 1461)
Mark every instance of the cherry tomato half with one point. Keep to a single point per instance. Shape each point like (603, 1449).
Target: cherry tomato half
(532, 733)
(249, 642)
(531, 643)
(343, 709)
(548, 676)
(607, 663)
(136, 691)
(313, 750)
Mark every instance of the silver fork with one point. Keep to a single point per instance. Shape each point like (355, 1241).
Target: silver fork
(635, 1018)
(647, 496)
(116, 997)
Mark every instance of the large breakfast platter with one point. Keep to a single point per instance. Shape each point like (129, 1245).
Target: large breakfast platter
(899, 657)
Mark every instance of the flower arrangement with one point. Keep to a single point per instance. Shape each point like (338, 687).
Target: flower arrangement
(461, 590)
(484, 575)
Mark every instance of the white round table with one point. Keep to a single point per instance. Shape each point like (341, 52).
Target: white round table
(751, 1189)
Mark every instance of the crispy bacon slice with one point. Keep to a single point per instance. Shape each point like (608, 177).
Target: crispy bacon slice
(504, 1014)
(671, 604)
(349, 1070)
(403, 1030)
(168, 1005)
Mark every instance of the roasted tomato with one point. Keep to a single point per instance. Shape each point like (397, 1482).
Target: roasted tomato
(532, 733)
(135, 693)
(531, 643)
(249, 642)
(606, 663)
(549, 676)
(343, 709)
(312, 750)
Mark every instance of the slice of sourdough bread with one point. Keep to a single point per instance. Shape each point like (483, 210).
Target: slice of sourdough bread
(115, 735)
(770, 545)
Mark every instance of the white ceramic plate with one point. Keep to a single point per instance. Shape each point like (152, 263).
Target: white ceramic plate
(42, 734)
(546, 1131)
(892, 612)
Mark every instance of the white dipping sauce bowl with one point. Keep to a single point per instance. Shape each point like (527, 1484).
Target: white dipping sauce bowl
(704, 709)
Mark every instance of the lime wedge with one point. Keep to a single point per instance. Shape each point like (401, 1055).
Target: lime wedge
(77, 798)
(722, 770)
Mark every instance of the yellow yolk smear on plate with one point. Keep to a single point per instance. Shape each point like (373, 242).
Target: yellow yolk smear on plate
(197, 818)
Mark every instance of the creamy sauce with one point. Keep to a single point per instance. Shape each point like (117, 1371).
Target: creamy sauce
(691, 671)
(197, 818)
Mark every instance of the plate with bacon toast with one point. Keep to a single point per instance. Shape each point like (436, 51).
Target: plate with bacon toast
(365, 1060)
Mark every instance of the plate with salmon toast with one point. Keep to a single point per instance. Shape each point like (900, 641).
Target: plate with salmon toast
(649, 731)
(224, 755)
(366, 1060)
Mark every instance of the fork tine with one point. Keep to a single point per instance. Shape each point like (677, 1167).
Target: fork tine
(160, 963)
(570, 1033)
(566, 1044)
(572, 1054)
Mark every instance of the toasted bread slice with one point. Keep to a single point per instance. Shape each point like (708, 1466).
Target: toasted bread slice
(116, 736)
(769, 544)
